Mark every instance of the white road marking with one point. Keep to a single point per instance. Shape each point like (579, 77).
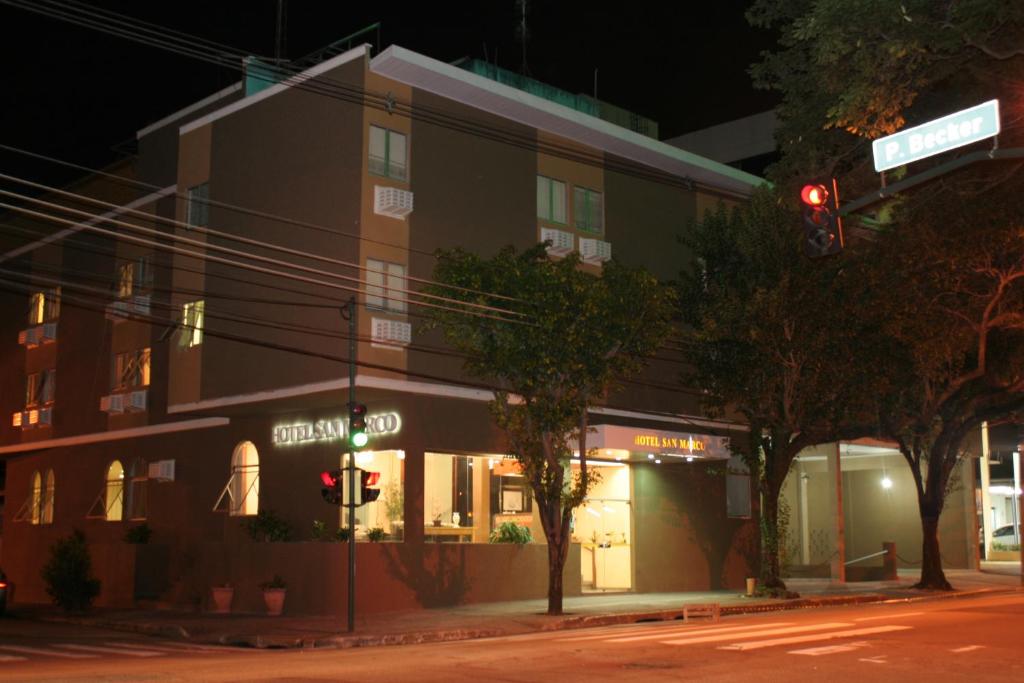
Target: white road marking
(11, 658)
(171, 646)
(752, 634)
(110, 650)
(889, 616)
(829, 649)
(758, 644)
(968, 648)
(665, 633)
(24, 649)
(212, 648)
(880, 659)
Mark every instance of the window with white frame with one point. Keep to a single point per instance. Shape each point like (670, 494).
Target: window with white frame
(588, 210)
(44, 306)
(550, 199)
(192, 314)
(388, 153)
(40, 387)
(130, 370)
(241, 495)
(385, 285)
(113, 493)
(134, 277)
(197, 208)
(737, 488)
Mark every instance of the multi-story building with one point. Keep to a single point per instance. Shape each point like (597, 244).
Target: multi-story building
(182, 360)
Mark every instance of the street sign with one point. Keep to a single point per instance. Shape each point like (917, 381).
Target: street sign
(941, 135)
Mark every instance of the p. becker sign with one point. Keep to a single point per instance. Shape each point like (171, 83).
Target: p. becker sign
(659, 442)
(941, 135)
(332, 430)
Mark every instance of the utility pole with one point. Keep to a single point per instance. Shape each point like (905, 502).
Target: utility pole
(349, 313)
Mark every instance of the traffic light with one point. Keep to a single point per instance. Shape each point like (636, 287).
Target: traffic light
(332, 491)
(823, 228)
(357, 436)
(368, 479)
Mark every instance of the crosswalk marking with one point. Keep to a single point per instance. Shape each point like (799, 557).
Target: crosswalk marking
(733, 630)
(829, 649)
(751, 634)
(24, 649)
(171, 646)
(111, 650)
(792, 640)
(889, 616)
(968, 648)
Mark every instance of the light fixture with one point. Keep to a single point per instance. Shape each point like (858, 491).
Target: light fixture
(886, 483)
(689, 458)
(657, 462)
(650, 456)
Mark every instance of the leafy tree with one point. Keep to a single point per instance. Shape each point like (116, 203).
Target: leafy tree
(68, 573)
(948, 272)
(770, 335)
(575, 336)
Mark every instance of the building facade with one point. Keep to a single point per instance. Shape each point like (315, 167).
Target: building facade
(183, 361)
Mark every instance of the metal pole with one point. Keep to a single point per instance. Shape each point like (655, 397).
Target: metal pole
(351, 468)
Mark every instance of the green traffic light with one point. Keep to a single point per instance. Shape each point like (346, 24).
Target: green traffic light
(359, 439)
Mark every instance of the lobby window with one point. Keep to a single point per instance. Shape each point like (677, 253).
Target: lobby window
(138, 477)
(192, 319)
(588, 210)
(241, 495)
(388, 153)
(39, 388)
(385, 283)
(456, 500)
(737, 488)
(388, 511)
(131, 370)
(197, 208)
(134, 277)
(44, 306)
(550, 199)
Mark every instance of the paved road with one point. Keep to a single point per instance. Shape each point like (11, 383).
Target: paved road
(977, 639)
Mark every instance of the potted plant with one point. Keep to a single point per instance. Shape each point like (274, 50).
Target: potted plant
(273, 595)
(375, 535)
(222, 596)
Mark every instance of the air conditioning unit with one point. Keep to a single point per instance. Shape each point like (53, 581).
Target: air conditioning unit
(16, 419)
(45, 416)
(29, 338)
(392, 201)
(117, 310)
(595, 251)
(136, 401)
(30, 418)
(140, 304)
(561, 241)
(393, 332)
(113, 404)
(162, 470)
(47, 332)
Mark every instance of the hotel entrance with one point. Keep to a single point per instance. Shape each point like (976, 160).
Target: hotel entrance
(603, 528)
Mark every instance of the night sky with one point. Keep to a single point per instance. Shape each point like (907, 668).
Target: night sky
(75, 93)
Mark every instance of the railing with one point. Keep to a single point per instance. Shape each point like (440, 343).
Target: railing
(867, 557)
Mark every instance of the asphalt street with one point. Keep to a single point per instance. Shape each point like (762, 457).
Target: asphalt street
(964, 639)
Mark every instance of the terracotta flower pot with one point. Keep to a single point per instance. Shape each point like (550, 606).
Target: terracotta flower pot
(274, 599)
(222, 596)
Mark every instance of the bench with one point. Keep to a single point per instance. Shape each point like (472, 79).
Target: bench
(710, 610)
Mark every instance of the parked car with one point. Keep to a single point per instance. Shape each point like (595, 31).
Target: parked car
(1007, 535)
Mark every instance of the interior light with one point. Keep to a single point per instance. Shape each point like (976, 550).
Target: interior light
(593, 512)
(401, 455)
(689, 458)
(657, 462)
(886, 483)
(650, 456)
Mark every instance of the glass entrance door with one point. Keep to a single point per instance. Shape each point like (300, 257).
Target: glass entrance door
(603, 527)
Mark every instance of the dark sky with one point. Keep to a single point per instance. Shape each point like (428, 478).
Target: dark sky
(74, 92)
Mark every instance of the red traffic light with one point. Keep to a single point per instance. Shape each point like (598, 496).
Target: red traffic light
(814, 195)
(370, 478)
(356, 410)
(328, 478)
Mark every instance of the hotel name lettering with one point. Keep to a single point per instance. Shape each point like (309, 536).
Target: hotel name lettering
(332, 430)
(656, 441)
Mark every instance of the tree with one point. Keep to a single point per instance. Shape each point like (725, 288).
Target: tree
(770, 335)
(68, 573)
(562, 341)
(947, 276)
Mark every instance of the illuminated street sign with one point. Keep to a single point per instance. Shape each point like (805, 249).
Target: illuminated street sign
(941, 135)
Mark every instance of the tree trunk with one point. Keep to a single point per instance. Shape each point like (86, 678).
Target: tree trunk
(771, 569)
(932, 576)
(556, 563)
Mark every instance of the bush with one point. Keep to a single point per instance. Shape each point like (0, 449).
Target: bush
(342, 534)
(268, 526)
(275, 583)
(375, 534)
(510, 532)
(138, 534)
(68, 574)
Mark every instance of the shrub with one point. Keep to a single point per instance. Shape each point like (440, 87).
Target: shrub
(342, 534)
(510, 532)
(319, 530)
(68, 574)
(375, 534)
(268, 526)
(138, 534)
(276, 582)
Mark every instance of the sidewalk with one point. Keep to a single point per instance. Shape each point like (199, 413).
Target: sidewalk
(508, 618)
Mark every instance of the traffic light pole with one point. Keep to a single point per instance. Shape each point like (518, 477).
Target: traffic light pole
(351, 468)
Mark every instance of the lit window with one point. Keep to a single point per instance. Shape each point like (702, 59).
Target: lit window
(388, 511)
(44, 306)
(39, 388)
(192, 324)
(550, 199)
(113, 493)
(36, 498)
(385, 283)
(242, 492)
(131, 370)
(137, 498)
(134, 277)
(46, 516)
(197, 209)
(588, 210)
(388, 153)
(453, 509)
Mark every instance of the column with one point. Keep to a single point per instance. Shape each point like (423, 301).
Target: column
(838, 561)
(986, 499)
